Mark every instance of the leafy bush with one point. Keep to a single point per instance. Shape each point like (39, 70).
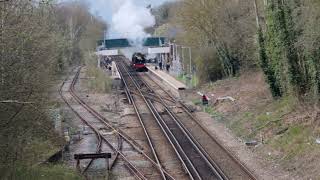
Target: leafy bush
(98, 80)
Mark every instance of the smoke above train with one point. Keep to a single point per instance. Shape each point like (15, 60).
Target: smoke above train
(130, 21)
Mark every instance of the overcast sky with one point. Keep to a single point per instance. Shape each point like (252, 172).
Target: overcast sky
(104, 8)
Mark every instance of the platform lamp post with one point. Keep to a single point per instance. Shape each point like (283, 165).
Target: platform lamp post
(190, 57)
(190, 63)
(191, 72)
(182, 56)
(172, 46)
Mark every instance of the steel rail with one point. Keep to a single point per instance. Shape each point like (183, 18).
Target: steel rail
(137, 173)
(171, 140)
(129, 140)
(155, 114)
(135, 145)
(72, 92)
(99, 144)
(151, 145)
(197, 121)
(215, 168)
(80, 101)
(212, 165)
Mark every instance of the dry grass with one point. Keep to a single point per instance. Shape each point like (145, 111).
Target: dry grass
(255, 114)
(98, 81)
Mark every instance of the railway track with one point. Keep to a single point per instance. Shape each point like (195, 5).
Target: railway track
(157, 143)
(98, 136)
(120, 135)
(192, 157)
(229, 164)
(94, 129)
(190, 146)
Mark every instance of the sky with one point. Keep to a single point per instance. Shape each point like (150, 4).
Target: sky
(106, 8)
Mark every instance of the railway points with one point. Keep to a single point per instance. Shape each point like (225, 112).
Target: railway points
(95, 121)
(197, 158)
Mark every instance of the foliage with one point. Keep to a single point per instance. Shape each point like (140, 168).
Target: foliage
(208, 68)
(265, 66)
(227, 27)
(290, 65)
(98, 81)
(163, 15)
(38, 41)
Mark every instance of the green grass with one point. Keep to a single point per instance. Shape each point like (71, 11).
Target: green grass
(50, 172)
(99, 82)
(240, 126)
(197, 101)
(250, 124)
(38, 150)
(194, 82)
(296, 141)
(213, 113)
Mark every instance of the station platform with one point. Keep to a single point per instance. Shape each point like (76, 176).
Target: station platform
(115, 76)
(115, 73)
(175, 86)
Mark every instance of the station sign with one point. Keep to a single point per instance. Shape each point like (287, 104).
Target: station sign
(159, 50)
(112, 52)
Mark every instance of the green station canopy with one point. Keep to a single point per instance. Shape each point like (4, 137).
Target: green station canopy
(122, 43)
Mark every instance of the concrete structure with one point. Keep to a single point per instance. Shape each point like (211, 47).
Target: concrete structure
(111, 52)
(158, 50)
(176, 87)
(115, 75)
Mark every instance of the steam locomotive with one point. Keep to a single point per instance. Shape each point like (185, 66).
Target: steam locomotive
(139, 62)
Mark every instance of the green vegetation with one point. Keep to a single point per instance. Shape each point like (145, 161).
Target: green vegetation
(213, 113)
(50, 172)
(39, 41)
(252, 123)
(98, 80)
(227, 37)
(193, 82)
(296, 141)
(289, 66)
(221, 35)
(281, 38)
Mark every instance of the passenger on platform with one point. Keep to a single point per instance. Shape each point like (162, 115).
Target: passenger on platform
(160, 64)
(168, 65)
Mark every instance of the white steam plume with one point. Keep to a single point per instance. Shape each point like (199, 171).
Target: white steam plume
(130, 20)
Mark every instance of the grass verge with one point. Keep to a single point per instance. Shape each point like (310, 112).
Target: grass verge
(98, 81)
(46, 172)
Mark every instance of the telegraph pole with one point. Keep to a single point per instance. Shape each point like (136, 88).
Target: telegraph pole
(190, 60)
(2, 41)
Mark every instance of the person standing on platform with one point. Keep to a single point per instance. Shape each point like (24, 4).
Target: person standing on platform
(160, 64)
(168, 65)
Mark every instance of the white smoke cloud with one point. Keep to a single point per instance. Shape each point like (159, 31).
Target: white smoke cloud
(130, 20)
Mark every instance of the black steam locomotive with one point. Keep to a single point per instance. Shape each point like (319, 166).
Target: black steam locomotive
(139, 62)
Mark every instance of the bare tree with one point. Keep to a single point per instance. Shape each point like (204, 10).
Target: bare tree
(38, 39)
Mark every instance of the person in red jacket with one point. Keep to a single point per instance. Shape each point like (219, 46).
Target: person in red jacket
(204, 100)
